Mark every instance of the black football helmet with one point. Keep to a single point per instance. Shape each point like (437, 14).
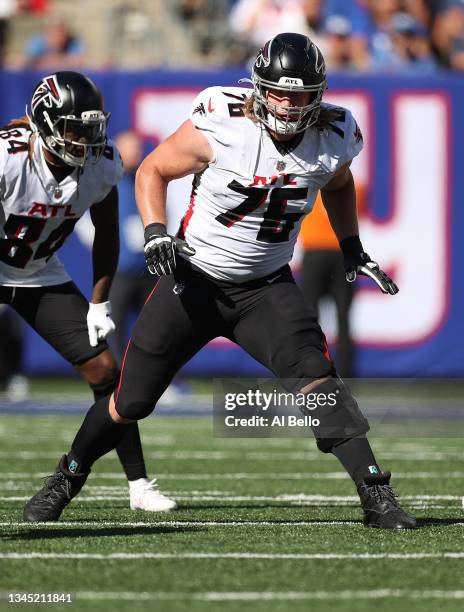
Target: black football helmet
(67, 112)
(289, 62)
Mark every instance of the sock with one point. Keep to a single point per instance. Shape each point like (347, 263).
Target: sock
(102, 389)
(357, 458)
(97, 435)
(130, 453)
(129, 450)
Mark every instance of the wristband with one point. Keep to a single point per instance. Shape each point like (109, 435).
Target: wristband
(351, 245)
(155, 229)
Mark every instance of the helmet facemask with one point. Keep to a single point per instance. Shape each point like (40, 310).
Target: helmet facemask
(295, 119)
(77, 141)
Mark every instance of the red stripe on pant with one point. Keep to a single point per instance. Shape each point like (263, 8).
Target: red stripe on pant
(122, 370)
(129, 343)
(325, 348)
(151, 293)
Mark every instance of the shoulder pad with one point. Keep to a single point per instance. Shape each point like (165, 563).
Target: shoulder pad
(340, 134)
(23, 128)
(15, 139)
(218, 102)
(111, 164)
(341, 122)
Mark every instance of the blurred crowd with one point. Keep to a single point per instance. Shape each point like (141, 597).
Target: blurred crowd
(376, 35)
(420, 36)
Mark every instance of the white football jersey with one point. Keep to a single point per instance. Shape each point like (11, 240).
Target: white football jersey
(37, 213)
(246, 208)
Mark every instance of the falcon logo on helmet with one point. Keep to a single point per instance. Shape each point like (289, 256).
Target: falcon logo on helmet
(264, 59)
(47, 93)
(288, 62)
(319, 64)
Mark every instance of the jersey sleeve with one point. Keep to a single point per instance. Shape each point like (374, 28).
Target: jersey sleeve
(346, 137)
(343, 141)
(3, 161)
(112, 170)
(209, 114)
(353, 139)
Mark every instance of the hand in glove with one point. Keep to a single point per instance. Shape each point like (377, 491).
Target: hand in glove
(356, 262)
(99, 322)
(160, 249)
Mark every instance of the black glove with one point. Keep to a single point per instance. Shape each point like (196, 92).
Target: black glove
(356, 261)
(160, 249)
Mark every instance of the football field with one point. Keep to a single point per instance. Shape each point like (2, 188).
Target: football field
(263, 524)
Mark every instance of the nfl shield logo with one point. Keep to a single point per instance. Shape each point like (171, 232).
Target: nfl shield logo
(57, 194)
(178, 288)
(281, 166)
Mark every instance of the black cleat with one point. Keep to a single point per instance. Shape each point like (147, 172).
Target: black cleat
(380, 505)
(48, 503)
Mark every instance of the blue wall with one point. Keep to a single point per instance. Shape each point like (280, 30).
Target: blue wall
(441, 353)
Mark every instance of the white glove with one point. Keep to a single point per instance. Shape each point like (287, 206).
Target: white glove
(99, 322)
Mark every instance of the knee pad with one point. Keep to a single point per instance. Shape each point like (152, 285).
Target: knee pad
(134, 410)
(337, 411)
(106, 387)
(314, 364)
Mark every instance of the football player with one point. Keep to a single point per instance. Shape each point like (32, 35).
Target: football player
(55, 164)
(259, 159)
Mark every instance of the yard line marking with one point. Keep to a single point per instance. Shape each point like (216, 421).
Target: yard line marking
(103, 524)
(290, 504)
(244, 523)
(233, 555)
(297, 498)
(414, 506)
(270, 595)
(120, 490)
(120, 493)
(242, 475)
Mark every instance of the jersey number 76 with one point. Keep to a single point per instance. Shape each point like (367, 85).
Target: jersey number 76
(277, 224)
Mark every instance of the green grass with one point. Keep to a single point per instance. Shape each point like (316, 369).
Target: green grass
(75, 387)
(218, 480)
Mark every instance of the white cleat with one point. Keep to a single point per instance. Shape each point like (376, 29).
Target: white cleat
(144, 495)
